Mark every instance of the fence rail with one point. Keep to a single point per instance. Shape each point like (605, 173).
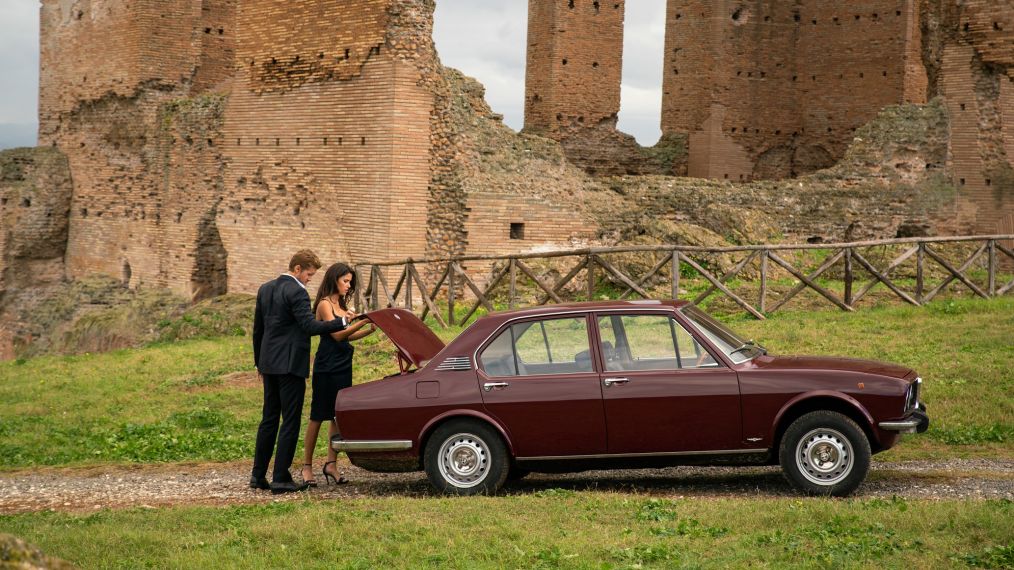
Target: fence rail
(859, 274)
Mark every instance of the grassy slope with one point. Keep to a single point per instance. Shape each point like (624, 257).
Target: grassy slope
(549, 529)
(199, 400)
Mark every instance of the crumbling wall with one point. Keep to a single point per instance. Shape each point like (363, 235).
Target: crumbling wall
(769, 89)
(970, 53)
(35, 194)
(112, 74)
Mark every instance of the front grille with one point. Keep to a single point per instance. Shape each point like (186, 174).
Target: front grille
(456, 363)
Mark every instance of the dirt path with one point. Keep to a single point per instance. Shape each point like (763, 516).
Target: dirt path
(88, 489)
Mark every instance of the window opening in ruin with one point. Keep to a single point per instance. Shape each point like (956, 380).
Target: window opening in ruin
(988, 182)
(325, 141)
(238, 142)
(211, 142)
(737, 14)
(565, 62)
(835, 20)
(767, 18)
(320, 55)
(997, 26)
(221, 31)
(278, 142)
(257, 141)
(595, 64)
(570, 4)
(726, 175)
(961, 182)
(346, 53)
(26, 202)
(860, 74)
(857, 17)
(814, 21)
(679, 16)
(596, 6)
(897, 12)
(876, 17)
(339, 141)
(84, 212)
(965, 27)
(207, 30)
(885, 74)
(517, 230)
(362, 141)
(796, 17)
(297, 141)
(179, 217)
(962, 106)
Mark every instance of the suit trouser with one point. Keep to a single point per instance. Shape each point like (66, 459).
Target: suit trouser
(283, 394)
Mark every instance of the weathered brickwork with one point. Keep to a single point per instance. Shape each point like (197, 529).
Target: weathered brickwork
(219, 136)
(971, 58)
(768, 89)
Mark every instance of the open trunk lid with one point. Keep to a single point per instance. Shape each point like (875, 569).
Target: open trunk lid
(415, 342)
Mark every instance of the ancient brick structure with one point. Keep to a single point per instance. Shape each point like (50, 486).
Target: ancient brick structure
(769, 89)
(207, 150)
(572, 83)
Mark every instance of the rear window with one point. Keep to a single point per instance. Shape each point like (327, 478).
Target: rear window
(535, 348)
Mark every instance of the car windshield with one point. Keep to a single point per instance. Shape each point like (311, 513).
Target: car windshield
(734, 346)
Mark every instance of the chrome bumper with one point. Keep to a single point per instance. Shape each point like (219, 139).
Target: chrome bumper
(918, 422)
(354, 445)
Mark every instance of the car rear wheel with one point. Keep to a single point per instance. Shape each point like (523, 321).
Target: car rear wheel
(825, 453)
(466, 457)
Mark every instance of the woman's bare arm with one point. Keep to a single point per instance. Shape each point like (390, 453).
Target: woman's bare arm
(326, 313)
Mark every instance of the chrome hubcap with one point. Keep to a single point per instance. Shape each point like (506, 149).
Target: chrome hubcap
(464, 460)
(824, 456)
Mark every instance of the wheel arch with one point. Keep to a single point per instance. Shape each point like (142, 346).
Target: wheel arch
(451, 415)
(825, 400)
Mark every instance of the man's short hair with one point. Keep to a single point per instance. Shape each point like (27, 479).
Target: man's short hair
(305, 259)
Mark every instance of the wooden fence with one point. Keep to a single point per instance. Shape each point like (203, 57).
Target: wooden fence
(860, 275)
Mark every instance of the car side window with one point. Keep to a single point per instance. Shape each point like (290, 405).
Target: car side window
(638, 342)
(551, 346)
(692, 353)
(649, 342)
(498, 358)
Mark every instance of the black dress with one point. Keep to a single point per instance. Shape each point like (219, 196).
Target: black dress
(332, 371)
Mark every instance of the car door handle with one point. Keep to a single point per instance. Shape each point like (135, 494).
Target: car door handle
(498, 385)
(610, 381)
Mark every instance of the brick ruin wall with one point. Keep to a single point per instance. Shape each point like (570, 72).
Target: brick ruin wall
(206, 151)
(969, 55)
(769, 89)
(572, 83)
(144, 161)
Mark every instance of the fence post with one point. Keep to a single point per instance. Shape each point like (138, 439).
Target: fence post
(764, 281)
(374, 287)
(920, 262)
(992, 267)
(408, 285)
(450, 293)
(675, 274)
(511, 302)
(590, 266)
(848, 276)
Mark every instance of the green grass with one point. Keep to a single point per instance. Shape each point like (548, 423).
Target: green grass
(200, 399)
(548, 529)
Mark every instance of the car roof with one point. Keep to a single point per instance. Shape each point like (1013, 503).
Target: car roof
(586, 306)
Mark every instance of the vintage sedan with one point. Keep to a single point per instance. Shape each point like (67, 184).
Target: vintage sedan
(618, 384)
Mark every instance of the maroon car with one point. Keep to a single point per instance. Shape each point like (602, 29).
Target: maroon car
(619, 384)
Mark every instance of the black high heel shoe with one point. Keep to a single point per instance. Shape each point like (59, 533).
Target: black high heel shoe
(331, 478)
(309, 482)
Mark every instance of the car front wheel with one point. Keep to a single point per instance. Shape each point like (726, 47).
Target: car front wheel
(466, 457)
(825, 453)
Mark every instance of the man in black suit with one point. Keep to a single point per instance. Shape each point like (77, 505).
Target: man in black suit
(283, 325)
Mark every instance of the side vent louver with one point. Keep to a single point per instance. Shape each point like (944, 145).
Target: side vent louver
(456, 363)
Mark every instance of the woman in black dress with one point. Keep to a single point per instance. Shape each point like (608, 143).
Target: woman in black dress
(332, 366)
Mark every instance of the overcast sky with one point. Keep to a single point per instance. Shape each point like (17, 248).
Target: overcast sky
(482, 38)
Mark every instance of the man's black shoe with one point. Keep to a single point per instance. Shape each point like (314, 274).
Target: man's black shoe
(287, 487)
(259, 483)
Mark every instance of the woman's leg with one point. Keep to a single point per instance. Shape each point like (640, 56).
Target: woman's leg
(332, 430)
(309, 444)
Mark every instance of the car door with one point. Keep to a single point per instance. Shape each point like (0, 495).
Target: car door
(662, 390)
(538, 379)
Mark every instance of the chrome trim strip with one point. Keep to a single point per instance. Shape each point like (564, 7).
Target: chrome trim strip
(662, 454)
(371, 445)
(904, 426)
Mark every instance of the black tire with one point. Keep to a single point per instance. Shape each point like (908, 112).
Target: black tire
(466, 457)
(825, 453)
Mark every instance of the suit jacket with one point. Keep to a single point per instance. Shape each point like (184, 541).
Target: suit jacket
(283, 325)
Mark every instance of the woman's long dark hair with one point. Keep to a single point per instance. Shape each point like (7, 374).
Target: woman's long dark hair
(330, 286)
